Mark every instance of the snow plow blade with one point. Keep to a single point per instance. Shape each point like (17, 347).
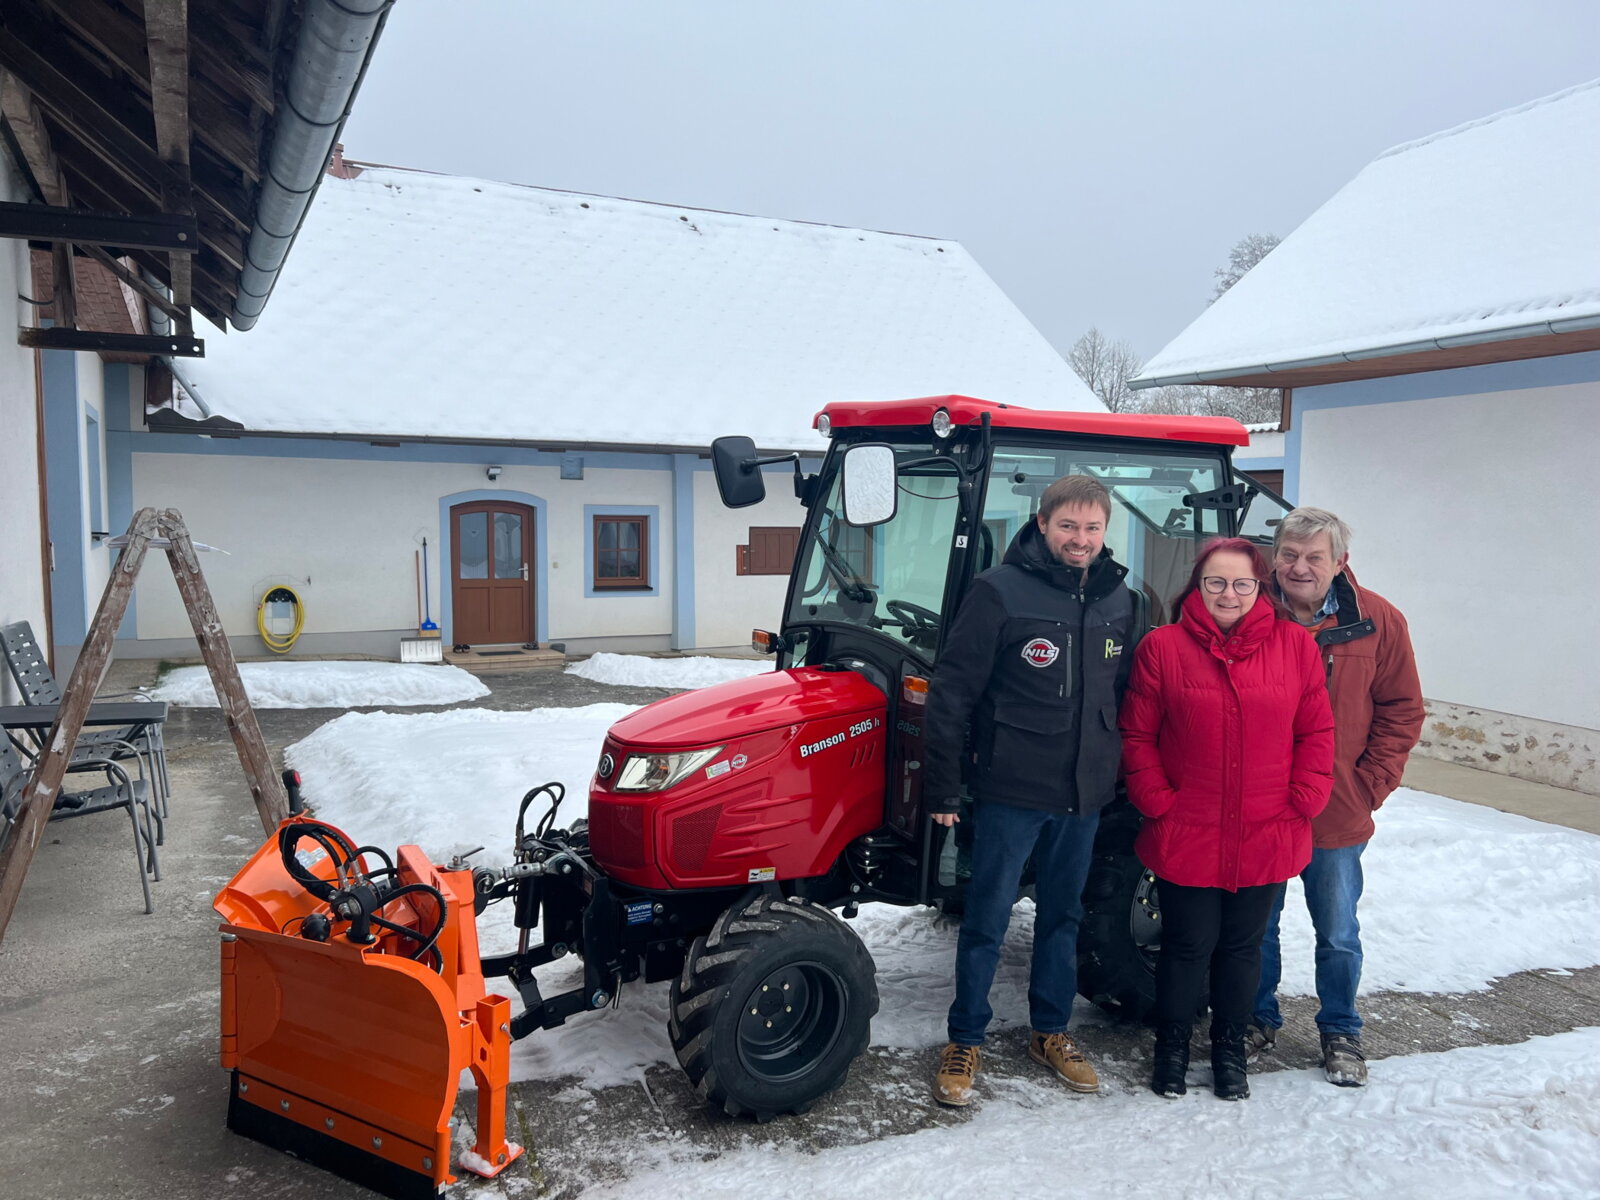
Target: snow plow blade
(348, 1017)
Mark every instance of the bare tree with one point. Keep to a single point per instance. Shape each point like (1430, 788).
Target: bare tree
(1246, 253)
(1106, 367)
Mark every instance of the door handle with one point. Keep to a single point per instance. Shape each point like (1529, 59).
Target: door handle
(524, 572)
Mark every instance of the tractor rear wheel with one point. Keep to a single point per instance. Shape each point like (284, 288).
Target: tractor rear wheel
(772, 1006)
(1121, 930)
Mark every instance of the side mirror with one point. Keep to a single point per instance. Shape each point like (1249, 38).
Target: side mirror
(735, 464)
(868, 487)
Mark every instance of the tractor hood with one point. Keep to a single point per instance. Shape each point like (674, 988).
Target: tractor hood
(740, 707)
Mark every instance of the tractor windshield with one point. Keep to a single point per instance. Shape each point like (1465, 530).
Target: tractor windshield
(1159, 506)
(888, 577)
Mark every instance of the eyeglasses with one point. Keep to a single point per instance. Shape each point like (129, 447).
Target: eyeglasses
(1216, 585)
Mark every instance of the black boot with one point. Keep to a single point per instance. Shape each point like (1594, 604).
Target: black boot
(1171, 1059)
(1227, 1063)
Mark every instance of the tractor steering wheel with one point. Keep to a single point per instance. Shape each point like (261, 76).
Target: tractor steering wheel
(917, 621)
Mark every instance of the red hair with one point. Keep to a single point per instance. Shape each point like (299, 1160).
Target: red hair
(1258, 567)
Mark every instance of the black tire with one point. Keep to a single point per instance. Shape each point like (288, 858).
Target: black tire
(782, 1056)
(1121, 930)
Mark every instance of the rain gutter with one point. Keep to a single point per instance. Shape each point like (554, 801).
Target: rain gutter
(1506, 334)
(330, 59)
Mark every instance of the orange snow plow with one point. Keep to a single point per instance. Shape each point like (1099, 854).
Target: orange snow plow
(352, 999)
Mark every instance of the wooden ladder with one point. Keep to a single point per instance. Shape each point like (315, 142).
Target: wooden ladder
(163, 530)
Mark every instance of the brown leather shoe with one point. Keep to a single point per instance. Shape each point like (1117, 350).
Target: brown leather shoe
(957, 1067)
(1061, 1054)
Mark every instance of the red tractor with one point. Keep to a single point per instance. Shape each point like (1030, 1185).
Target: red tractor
(730, 828)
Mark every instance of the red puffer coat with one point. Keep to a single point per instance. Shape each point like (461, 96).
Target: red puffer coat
(1227, 742)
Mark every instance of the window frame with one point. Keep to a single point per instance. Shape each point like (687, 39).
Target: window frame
(614, 583)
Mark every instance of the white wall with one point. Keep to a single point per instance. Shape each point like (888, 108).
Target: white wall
(1476, 515)
(22, 581)
(343, 533)
(729, 605)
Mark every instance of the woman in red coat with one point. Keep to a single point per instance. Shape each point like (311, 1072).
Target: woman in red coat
(1227, 743)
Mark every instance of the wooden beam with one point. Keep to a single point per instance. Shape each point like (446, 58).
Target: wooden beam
(27, 124)
(166, 24)
(132, 278)
(63, 285)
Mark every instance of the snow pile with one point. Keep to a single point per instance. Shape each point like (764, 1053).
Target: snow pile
(452, 780)
(636, 670)
(1481, 1122)
(327, 685)
(1457, 895)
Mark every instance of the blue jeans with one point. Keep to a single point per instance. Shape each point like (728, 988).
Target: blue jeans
(1333, 887)
(1003, 838)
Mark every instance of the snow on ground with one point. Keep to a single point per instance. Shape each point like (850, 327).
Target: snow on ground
(1486, 1121)
(1457, 894)
(638, 670)
(312, 684)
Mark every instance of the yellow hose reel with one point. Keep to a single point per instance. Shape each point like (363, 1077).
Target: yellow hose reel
(279, 618)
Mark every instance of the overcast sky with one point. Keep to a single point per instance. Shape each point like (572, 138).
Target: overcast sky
(1098, 160)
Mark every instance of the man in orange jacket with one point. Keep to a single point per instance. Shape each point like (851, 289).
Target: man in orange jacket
(1377, 716)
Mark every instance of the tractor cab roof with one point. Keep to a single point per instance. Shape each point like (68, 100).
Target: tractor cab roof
(966, 411)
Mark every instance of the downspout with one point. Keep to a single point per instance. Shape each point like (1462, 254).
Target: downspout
(330, 58)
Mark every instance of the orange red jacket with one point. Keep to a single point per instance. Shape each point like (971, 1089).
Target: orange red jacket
(1377, 708)
(1228, 746)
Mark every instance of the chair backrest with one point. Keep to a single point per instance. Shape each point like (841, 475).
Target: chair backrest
(28, 665)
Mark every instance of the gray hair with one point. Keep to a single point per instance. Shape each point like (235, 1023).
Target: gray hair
(1305, 523)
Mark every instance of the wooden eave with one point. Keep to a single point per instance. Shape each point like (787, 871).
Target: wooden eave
(150, 106)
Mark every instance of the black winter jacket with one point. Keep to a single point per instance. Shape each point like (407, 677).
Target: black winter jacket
(1036, 662)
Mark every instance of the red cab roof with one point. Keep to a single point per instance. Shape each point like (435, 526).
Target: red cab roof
(966, 410)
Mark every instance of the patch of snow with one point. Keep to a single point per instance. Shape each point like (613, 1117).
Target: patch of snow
(637, 670)
(314, 684)
(1480, 1122)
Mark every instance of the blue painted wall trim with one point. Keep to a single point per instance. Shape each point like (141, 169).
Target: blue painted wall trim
(439, 563)
(1556, 371)
(684, 636)
(119, 467)
(590, 512)
(63, 441)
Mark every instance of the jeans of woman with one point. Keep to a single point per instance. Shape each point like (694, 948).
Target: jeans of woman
(1211, 928)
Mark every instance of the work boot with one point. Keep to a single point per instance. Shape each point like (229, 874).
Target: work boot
(1227, 1063)
(1061, 1054)
(1342, 1059)
(1259, 1040)
(957, 1067)
(1171, 1059)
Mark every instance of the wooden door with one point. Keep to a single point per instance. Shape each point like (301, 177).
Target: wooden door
(491, 573)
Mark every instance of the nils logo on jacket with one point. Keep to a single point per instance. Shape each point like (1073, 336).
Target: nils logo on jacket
(1040, 652)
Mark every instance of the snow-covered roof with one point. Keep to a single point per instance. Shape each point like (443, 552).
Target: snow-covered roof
(1484, 232)
(423, 305)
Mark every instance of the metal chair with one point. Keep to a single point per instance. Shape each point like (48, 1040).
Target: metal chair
(38, 685)
(120, 791)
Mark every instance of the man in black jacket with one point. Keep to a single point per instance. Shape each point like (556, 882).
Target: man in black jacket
(1035, 665)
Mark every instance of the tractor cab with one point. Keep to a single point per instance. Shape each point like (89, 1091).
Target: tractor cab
(914, 499)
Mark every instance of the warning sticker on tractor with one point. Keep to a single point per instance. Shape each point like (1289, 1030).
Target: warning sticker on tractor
(763, 874)
(640, 911)
(310, 858)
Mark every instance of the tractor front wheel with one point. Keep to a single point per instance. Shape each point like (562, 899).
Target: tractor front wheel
(772, 1006)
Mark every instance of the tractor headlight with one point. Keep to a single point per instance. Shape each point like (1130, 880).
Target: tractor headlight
(942, 424)
(657, 772)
